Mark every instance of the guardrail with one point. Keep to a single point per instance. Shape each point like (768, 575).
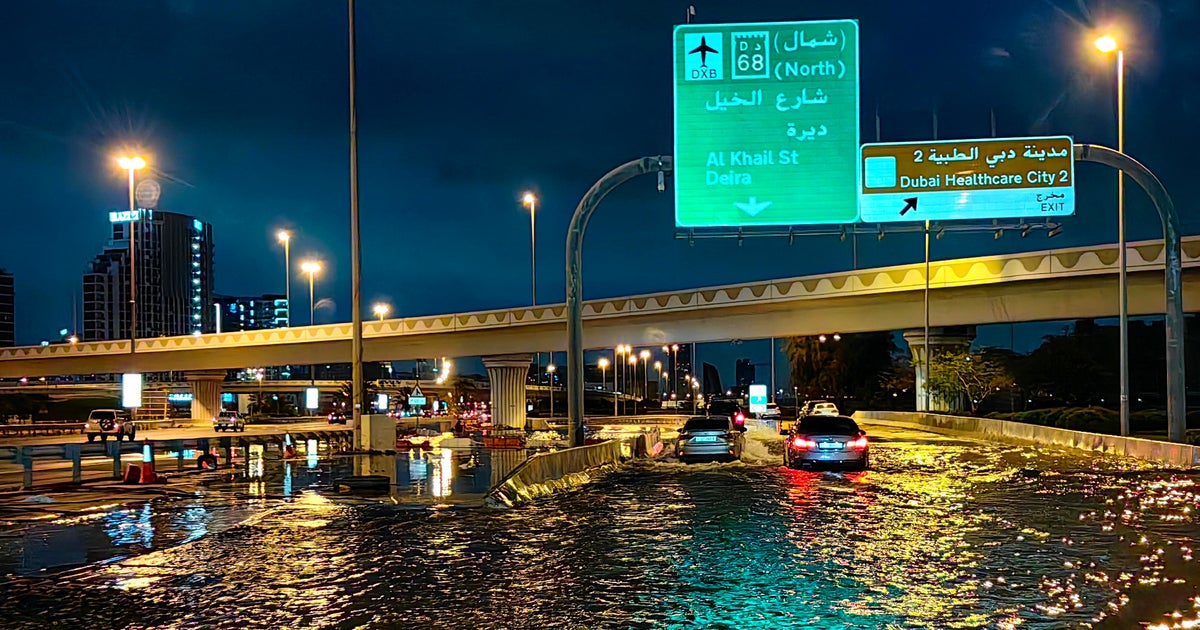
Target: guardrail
(40, 428)
(28, 456)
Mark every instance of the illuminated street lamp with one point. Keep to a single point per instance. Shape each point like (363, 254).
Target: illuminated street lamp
(1107, 44)
(530, 200)
(550, 369)
(633, 361)
(381, 310)
(672, 351)
(311, 267)
(285, 237)
(658, 368)
(645, 356)
(603, 363)
(132, 164)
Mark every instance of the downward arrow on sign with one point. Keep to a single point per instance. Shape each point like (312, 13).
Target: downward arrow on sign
(752, 207)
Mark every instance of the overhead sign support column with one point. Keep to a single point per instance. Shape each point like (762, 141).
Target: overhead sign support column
(766, 124)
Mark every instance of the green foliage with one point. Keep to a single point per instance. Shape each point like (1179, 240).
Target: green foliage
(965, 380)
(849, 367)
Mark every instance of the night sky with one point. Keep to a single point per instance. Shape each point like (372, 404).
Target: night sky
(242, 107)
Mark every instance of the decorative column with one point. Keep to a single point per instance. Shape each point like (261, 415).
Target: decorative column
(507, 374)
(206, 394)
(956, 337)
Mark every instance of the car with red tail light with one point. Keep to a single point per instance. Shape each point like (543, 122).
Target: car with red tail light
(827, 440)
(709, 438)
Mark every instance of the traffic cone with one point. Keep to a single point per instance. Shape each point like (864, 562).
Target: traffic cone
(148, 474)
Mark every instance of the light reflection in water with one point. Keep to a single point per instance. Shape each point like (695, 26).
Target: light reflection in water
(130, 527)
(310, 450)
(945, 535)
(443, 473)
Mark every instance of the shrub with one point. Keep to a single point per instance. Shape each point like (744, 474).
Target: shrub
(1148, 420)
(1092, 419)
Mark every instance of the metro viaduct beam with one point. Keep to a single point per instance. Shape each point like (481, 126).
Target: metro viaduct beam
(1078, 297)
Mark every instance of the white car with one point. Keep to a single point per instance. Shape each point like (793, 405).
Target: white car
(824, 409)
(102, 423)
(229, 421)
(772, 412)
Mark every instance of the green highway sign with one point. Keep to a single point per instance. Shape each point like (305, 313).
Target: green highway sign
(766, 123)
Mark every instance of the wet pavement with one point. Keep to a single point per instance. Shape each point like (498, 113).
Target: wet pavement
(940, 533)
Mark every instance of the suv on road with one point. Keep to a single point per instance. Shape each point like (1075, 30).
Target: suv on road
(229, 421)
(105, 422)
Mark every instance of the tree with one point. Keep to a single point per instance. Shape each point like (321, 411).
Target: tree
(462, 389)
(840, 367)
(961, 378)
(342, 397)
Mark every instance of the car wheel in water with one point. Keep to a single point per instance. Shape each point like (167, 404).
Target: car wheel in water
(208, 461)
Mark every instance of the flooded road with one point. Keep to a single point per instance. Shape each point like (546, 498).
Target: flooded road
(940, 533)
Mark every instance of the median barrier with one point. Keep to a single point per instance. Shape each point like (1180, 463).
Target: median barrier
(544, 473)
(1169, 453)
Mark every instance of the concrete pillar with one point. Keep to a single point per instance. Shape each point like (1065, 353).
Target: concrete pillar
(957, 337)
(206, 394)
(507, 374)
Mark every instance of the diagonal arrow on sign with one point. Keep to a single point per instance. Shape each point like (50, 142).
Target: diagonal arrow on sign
(752, 207)
(910, 203)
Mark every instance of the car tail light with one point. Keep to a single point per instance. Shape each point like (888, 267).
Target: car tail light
(739, 418)
(803, 444)
(860, 443)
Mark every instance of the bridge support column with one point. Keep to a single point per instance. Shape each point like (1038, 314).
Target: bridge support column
(507, 374)
(206, 394)
(952, 337)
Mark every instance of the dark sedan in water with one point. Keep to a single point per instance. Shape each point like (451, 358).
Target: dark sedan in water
(827, 440)
(711, 438)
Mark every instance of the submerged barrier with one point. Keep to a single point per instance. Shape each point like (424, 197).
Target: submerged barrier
(545, 473)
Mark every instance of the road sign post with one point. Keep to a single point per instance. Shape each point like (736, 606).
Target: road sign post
(766, 123)
(758, 399)
(993, 178)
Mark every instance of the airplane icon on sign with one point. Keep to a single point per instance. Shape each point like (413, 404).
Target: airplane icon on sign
(703, 49)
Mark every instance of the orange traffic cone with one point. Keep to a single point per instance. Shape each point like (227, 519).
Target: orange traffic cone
(148, 474)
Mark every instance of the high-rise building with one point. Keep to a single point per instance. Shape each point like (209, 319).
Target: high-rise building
(261, 312)
(8, 335)
(743, 372)
(174, 271)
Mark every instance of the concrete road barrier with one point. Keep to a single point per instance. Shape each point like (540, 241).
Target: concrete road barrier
(1168, 453)
(545, 473)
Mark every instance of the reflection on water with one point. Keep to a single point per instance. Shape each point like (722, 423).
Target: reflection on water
(263, 480)
(939, 534)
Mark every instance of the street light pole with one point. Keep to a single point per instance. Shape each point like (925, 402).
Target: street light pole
(286, 238)
(550, 368)
(1107, 44)
(925, 343)
(530, 200)
(132, 165)
(356, 388)
(602, 363)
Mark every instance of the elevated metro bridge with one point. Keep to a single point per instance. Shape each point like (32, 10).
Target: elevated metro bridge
(1063, 284)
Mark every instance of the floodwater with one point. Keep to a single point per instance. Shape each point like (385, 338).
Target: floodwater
(939, 534)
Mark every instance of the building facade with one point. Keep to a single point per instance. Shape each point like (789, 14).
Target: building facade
(261, 312)
(8, 334)
(174, 271)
